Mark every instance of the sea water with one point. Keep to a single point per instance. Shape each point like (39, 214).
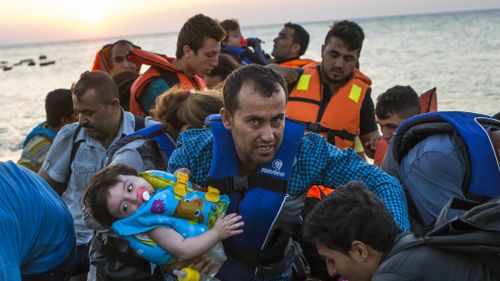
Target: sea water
(459, 53)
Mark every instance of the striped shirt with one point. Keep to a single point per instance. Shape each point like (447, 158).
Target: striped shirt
(34, 152)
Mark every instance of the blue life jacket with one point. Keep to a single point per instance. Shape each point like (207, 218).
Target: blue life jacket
(190, 214)
(468, 131)
(247, 55)
(154, 134)
(238, 52)
(40, 130)
(259, 197)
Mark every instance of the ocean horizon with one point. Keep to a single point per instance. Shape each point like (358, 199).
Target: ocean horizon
(456, 52)
(117, 37)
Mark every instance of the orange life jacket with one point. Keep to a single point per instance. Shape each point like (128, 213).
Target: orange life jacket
(339, 122)
(428, 101)
(297, 63)
(380, 151)
(157, 63)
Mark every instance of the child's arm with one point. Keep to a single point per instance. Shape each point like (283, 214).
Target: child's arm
(174, 243)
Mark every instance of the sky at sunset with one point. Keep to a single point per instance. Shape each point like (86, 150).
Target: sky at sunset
(25, 21)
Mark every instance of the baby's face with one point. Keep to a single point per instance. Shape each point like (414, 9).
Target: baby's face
(124, 197)
(234, 38)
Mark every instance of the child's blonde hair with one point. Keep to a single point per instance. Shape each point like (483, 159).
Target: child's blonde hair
(179, 109)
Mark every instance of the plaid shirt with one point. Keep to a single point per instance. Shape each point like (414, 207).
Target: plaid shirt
(317, 163)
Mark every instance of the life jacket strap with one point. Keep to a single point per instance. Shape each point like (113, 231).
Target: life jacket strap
(243, 183)
(332, 133)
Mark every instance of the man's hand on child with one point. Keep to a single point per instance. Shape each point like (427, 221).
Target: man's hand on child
(183, 170)
(227, 226)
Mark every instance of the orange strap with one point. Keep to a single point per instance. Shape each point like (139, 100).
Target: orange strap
(319, 191)
(380, 152)
(428, 101)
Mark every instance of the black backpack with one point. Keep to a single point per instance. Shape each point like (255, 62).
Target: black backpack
(476, 232)
(156, 150)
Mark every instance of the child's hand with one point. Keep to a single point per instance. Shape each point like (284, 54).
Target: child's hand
(227, 226)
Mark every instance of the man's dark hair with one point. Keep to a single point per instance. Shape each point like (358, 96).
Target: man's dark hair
(104, 86)
(349, 32)
(58, 103)
(124, 81)
(225, 66)
(96, 196)
(300, 36)
(195, 31)
(351, 213)
(265, 81)
(400, 100)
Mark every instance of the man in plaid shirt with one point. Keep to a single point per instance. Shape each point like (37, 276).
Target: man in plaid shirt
(254, 113)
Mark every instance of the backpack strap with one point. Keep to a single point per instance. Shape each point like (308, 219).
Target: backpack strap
(140, 122)
(406, 241)
(454, 203)
(74, 149)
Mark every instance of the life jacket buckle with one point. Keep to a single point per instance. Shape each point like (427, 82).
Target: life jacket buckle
(180, 187)
(212, 195)
(315, 127)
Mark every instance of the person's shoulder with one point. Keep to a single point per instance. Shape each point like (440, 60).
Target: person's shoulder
(132, 144)
(436, 144)
(69, 131)
(157, 83)
(148, 121)
(315, 146)
(194, 143)
(312, 141)
(37, 141)
(195, 137)
(130, 120)
(407, 261)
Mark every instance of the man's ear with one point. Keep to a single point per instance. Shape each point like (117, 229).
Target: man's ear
(187, 51)
(322, 49)
(359, 251)
(227, 120)
(115, 104)
(65, 120)
(296, 48)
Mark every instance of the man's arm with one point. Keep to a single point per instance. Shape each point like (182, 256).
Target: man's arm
(188, 248)
(56, 166)
(194, 152)
(368, 129)
(290, 74)
(333, 167)
(57, 186)
(369, 142)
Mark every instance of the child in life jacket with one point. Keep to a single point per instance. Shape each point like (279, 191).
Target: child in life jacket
(162, 216)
